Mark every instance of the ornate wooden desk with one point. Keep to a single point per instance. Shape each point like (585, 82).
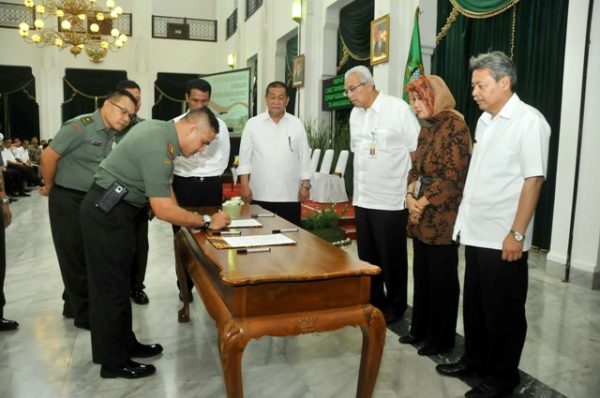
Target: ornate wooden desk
(309, 287)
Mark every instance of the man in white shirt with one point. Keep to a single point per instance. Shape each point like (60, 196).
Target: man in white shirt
(383, 134)
(505, 177)
(197, 180)
(274, 165)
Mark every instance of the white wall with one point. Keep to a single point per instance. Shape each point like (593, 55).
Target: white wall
(586, 235)
(142, 56)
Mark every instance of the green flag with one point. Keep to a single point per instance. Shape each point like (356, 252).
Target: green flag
(414, 63)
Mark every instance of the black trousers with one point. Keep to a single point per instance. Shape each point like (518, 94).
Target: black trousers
(28, 173)
(287, 210)
(197, 192)
(2, 268)
(110, 242)
(436, 291)
(63, 206)
(381, 241)
(494, 314)
(140, 260)
(13, 182)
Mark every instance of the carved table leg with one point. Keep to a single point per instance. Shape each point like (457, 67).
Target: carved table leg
(184, 312)
(372, 349)
(232, 343)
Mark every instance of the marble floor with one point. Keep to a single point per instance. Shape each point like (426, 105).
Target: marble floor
(48, 357)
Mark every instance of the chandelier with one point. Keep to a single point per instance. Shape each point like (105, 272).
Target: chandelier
(82, 26)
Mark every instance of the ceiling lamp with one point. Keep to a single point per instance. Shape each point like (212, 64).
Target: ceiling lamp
(81, 25)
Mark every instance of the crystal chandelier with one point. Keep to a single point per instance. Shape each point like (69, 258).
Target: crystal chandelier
(82, 25)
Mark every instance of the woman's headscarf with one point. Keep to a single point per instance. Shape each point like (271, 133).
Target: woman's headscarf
(434, 93)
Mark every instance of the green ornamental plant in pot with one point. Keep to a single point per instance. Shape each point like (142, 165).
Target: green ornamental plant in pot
(324, 224)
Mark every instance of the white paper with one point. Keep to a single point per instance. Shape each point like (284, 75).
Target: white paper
(245, 223)
(258, 240)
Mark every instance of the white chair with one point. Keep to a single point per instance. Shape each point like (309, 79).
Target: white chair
(314, 160)
(340, 166)
(326, 163)
(330, 188)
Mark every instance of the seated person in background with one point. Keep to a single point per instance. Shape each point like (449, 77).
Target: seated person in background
(13, 180)
(34, 151)
(12, 162)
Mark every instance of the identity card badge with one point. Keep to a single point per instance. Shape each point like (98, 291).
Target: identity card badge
(373, 145)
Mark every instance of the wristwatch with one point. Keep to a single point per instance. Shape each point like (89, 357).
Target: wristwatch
(306, 186)
(5, 201)
(517, 235)
(207, 220)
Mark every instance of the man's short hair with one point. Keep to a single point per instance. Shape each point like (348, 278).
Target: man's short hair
(499, 65)
(195, 114)
(198, 84)
(363, 73)
(121, 93)
(125, 84)
(275, 84)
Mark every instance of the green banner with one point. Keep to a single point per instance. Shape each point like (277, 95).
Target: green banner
(414, 64)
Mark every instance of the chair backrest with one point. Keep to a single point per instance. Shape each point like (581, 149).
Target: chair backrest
(340, 166)
(314, 160)
(326, 163)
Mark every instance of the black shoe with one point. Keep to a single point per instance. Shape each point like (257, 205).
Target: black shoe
(67, 313)
(140, 350)
(82, 324)
(7, 324)
(458, 369)
(23, 194)
(392, 316)
(181, 297)
(12, 199)
(409, 339)
(139, 296)
(428, 350)
(485, 390)
(129, 370)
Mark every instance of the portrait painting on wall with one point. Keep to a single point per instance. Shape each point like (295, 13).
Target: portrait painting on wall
(380, 40)
(298, 71)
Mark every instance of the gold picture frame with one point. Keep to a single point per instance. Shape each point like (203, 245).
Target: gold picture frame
(380, 40)
(298, 71)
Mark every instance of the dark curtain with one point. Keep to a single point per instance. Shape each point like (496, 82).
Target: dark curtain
(355, 29)
(291, 50)
(85, 90)
(19, 111)
(539, 55)
(169, 94)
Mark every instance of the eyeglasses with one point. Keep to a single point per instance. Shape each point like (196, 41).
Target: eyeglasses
(350, 90)
(123, 111)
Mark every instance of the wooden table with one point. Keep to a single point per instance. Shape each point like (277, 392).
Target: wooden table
(308, 287)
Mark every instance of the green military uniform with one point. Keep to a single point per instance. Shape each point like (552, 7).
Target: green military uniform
(140, 261)
(82, 143)
(143, 162)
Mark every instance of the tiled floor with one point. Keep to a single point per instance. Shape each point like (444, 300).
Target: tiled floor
(49, 357)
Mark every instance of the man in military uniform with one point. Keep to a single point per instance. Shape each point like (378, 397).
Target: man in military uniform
(5, 324)
(137, 293)
(68, 167)
(137, 173)
(197, 180)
